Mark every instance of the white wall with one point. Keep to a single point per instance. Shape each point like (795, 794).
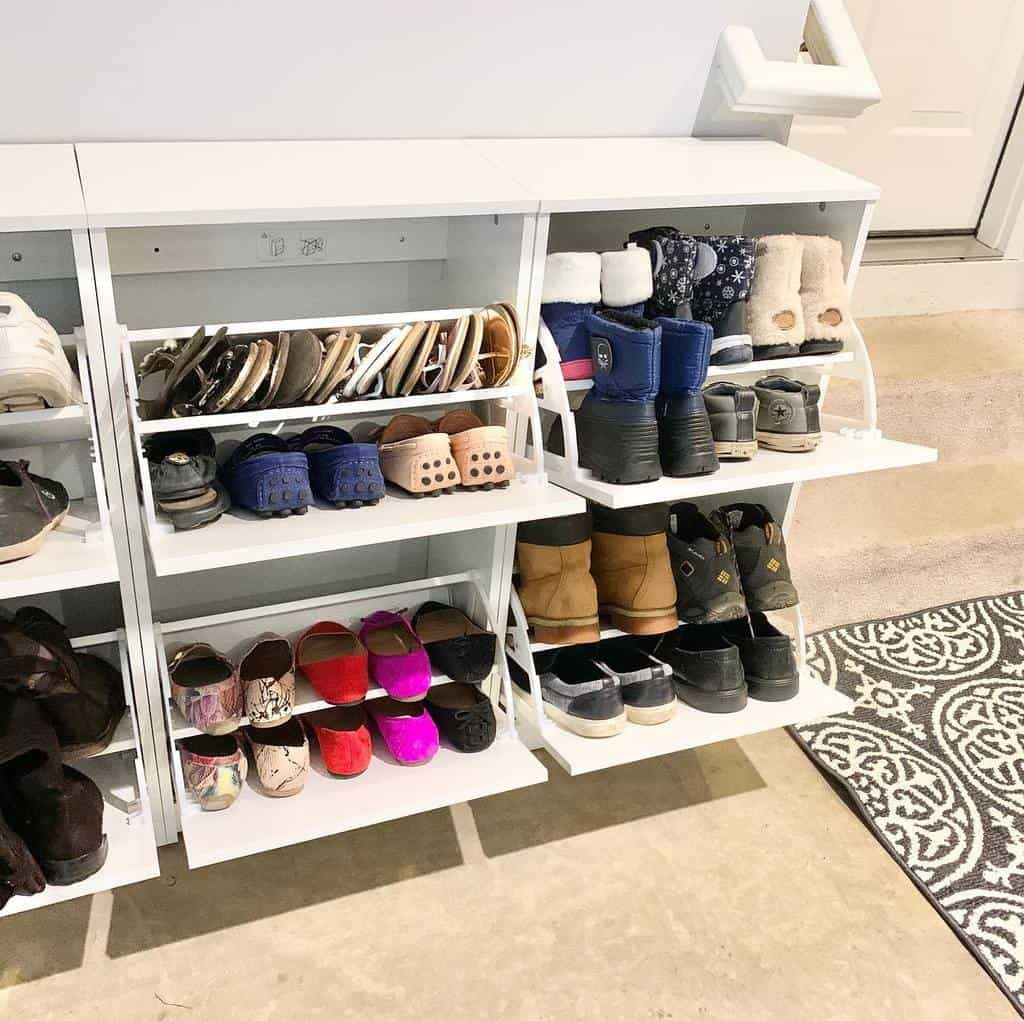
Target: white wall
(143, 69)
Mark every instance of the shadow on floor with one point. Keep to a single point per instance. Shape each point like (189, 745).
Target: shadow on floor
(181, 903)
(30, 950)
(567, 806)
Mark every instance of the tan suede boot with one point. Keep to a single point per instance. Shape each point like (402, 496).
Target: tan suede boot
(635, 587)
(555, 587)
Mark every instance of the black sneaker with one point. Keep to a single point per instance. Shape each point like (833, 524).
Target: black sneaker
(464, 715)
(706, 668)
(579, 694)
(761, 555)
(645, 682)
(704, 566)
(769, 661)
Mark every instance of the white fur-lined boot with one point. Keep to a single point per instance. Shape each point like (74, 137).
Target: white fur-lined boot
(775, 315)
(626, 280)
(823, 293)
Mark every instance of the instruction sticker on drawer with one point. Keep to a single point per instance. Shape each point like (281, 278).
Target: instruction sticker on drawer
(291, 247)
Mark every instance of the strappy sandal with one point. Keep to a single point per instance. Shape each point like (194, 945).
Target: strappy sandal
(331, 387)
(305, 355)
(332, 348)
(395, 375)
(414, 370)
(481, 451)
(415, 458)
(258, 369)
(267, 390)
(178, 372)
(226, 378)
(372, 357)
(500, 348)
(466, 375)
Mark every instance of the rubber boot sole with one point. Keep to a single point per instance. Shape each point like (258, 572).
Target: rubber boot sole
(586, 728)
(685, 442)
(618, 442)
(735, 450)
(773, 689)
(651, 715)
(776, 595)
(821, 347)
(790, 443)
(731, 606)
(731, 701)
(642, 622)
(74, 870)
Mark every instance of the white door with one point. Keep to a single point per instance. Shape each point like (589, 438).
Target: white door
(950, 73)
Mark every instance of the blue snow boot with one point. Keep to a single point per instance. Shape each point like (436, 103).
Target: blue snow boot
(617, 424)
(572, 287)
(685, 441)
(720, 297)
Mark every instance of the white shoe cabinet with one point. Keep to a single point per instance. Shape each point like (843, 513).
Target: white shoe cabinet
(45, 257)
(276, 236)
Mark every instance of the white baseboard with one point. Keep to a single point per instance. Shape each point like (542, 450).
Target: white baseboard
(921, 288)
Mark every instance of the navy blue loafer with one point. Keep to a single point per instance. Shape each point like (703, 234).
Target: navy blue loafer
(264, 476)
(344, 473)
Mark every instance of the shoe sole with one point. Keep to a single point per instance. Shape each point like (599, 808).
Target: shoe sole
(776, 595)
(20, 550)
(735, 450)
(731, 701)
(771, 689)
(650, 716)
(790, 443)
(624, 454)
(586, 728)
(74, 870)
(642, 622)
(821, 347)
(685, 443)
(578, 631)
(731, 606)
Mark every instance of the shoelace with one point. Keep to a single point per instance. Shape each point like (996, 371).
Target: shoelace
(474, 724)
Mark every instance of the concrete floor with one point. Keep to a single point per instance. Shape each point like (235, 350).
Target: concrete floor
(729, 882)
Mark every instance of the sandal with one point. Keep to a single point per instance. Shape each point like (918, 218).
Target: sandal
(259, 369)
(330, 389)
(416, 458)
(415, 369)
(226, 378)
(500, 349)
(266, 393)
(305, 355)
(481, 451)
(332, 348)
(466, 375)
(175, 371)
(372, 357)
(403, 356)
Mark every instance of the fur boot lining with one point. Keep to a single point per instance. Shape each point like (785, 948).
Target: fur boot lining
(572, 276)
(823, 290)
(626, 277)
(774, 310)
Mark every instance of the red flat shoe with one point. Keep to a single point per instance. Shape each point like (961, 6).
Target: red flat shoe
(344, 738)
(335, 662)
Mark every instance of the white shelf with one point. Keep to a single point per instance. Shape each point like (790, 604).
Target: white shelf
(47, 425)
(689, 728)
(606, 634)
(39, 188)
(329, 804)
(131, 855)
(123, 739)
(235, 539)
(319, 412)
(138, 184)
(584, 174)
(65, 561)
(835, 455)
(820, 363)
(306, 701)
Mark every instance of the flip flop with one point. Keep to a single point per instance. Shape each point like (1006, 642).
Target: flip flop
(454, 341)
(400, 362)
(257, 373)
(175, 360)
(499, 349)
(332, 385)
(332, 348)
(414, 369)
(305, 355)
(465, 376)
(371, 359)
(267, 390)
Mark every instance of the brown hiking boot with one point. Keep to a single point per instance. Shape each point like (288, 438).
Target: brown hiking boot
(555, 586)
(635, 587)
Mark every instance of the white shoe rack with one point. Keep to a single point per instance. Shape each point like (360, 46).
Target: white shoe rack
(273, 236)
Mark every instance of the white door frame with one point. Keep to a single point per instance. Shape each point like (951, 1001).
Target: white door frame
(1002, 220)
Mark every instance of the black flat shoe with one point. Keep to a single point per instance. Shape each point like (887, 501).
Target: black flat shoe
(464, 715)
(456, 646)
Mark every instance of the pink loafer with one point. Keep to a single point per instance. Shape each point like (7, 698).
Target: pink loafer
(408, 730)
(398, 660)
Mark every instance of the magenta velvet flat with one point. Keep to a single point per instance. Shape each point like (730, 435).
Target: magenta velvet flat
(407, 729)
(398, 661)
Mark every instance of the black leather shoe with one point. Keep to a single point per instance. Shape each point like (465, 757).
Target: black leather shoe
(706, 668)
(464, 715)
(769, 661)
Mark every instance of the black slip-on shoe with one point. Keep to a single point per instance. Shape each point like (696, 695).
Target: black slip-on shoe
(707, 671)
(456, 645)
(464, 715)
(769, 662)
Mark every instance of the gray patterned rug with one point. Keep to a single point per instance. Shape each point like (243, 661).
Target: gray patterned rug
(933, 758)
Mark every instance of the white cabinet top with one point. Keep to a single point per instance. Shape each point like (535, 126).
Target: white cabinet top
(39, 188)
(135, 184)
(582, 174)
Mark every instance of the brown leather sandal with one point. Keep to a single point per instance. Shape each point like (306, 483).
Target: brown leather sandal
(416, 458)
(267, 391)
